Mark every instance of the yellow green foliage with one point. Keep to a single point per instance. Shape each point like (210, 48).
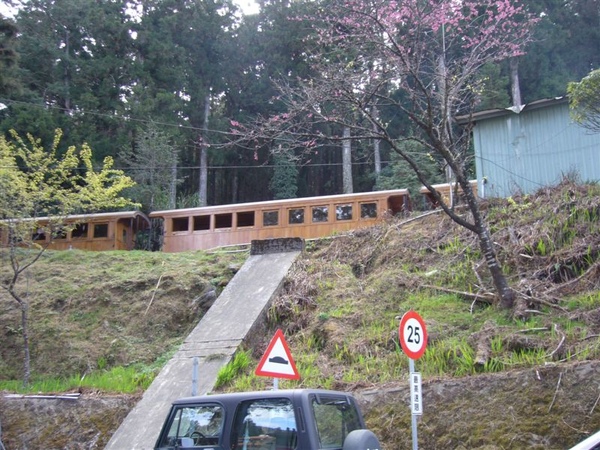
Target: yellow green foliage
(38, 182)
(584, 100)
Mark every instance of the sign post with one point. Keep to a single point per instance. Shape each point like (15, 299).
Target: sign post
(413, 339)
(277, 361)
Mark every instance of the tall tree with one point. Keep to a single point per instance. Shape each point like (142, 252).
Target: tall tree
(37, 182)
(268, 46)
(76, 60)
(182, 45)
(565, 47)
(153, 166)
(283, 184)
(434, 52)
(8, 57)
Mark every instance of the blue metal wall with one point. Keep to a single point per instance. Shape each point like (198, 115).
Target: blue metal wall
(520, 153)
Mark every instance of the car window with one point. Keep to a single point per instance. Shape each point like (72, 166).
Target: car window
(265, 424)
(335, 417)
(195, 427)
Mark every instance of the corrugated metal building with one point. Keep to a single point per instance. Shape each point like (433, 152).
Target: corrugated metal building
(519, 150)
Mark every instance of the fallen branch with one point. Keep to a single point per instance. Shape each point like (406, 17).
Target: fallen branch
(483, 352)
(546, 303)
(561, 286)
(485, 298)
(531, 330)
(412, 219)
(43, 397)
(591, 336)
(559, 344)
(595, 403)
(154, 292)
(555, 392)
(535, 311)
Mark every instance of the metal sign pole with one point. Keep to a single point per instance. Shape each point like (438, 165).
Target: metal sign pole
(415, 439)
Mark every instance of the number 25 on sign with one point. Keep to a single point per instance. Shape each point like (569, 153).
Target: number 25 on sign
(413, 335)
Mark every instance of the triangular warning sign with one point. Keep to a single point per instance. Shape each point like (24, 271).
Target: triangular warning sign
(277, 362)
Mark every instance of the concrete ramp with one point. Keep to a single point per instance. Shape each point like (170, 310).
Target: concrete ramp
(239, 309)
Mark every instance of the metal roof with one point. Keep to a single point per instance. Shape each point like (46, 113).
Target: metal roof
(499, 112)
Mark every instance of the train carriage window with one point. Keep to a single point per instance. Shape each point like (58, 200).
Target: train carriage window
(343, 212)
(80, 231)
(397, 204)
(245, 219)
(180, 224)
(368, 210)
(100, 230)
(223, 220)
(201, 223)
(296, 215)
(270, 218)
(320, 214)
(39, 235)
(59, 233)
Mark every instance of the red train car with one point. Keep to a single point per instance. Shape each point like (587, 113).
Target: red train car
(307, 218)
(96, 232)
(447, 191)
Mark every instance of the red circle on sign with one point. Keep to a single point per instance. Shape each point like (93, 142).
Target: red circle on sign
(413, 335)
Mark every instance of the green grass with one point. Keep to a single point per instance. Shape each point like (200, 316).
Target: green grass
(238, 364)
(128, 380)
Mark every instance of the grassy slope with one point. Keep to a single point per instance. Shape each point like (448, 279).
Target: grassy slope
(340, 309)
(93, 311)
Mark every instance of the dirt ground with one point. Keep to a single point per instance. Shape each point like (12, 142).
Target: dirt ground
(550, 408)
(138, 309)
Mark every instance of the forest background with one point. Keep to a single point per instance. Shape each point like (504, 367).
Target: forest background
(160, 84)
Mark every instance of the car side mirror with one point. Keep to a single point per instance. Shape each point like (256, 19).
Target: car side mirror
(361, 440)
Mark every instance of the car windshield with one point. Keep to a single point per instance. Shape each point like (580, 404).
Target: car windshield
(194, 426)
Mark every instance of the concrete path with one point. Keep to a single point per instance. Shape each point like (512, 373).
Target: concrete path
(240, 308)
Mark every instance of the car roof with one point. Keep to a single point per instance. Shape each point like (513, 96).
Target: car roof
(240, 396)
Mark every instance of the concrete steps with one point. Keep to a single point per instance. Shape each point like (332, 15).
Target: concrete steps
(236, 315)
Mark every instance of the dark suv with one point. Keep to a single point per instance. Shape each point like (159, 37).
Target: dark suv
(299, 419)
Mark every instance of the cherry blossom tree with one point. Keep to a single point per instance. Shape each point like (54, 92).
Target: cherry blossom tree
(417, 58)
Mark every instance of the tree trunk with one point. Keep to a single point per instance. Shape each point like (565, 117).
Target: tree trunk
(173, 183)
(376, 151)
(347, 162)
(66, 76)
(515, 88)
(235, 179)
(203, 182)
(506, 294)
(26, 354)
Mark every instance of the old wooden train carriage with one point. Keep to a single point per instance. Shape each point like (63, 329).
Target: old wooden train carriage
(307, 218)
(98, 232)
(447, 191)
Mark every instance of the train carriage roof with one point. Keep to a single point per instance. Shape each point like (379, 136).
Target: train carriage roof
(281, 203)
(95, 217)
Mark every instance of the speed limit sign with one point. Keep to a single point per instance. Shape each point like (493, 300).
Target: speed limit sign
(413, 335)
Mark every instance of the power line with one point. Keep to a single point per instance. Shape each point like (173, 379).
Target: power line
(221, 167)
(115, 116)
